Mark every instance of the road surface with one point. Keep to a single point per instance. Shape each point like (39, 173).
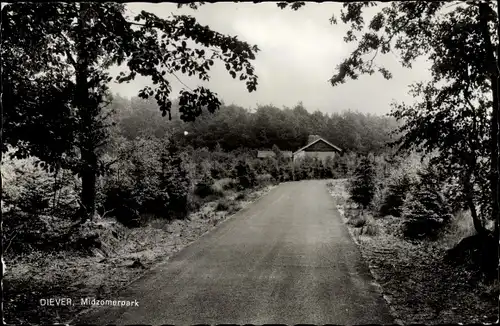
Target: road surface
(287, 258)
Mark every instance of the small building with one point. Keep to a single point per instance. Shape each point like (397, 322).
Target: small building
(317, 147)
(267, 153)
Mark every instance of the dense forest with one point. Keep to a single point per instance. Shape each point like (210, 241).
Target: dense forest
(234, 127)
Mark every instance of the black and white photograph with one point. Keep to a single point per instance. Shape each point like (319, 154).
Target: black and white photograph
(250, 162)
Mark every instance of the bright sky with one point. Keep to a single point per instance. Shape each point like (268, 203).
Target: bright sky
(299, 53)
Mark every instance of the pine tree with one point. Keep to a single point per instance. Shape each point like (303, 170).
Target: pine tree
(426, 209)
(395, 197)
(362, 185)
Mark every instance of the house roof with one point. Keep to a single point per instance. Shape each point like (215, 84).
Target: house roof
(314, 142)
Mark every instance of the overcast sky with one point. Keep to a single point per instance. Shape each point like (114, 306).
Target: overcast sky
(299, 53)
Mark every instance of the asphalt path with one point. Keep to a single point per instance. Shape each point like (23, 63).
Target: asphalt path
(287, 258)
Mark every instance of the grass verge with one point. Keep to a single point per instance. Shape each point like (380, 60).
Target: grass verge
(416, 281)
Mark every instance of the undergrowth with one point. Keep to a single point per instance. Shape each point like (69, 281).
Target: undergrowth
(416, 278)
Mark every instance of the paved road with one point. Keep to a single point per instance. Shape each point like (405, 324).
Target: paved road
(286, 259)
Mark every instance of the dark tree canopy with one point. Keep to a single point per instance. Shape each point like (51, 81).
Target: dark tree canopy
(40, 55)
(55, 74)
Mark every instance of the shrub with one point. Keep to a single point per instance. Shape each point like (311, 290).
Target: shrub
(36, 194)
(204, 187)
(216, 170)
(395, 196)
(27, 187)
(461, 226)
(276, 174)
(370, 229)
(345, 164)
(123, 203)
(24, 233)
(286, 172)
(265, 179)
(174, 179)
(135, 188)
(362, 184)
(154, 179)
(240, 196)
(223, 205)
(426, 210)
(217, 189)
(357, 221)
(228, 184)
(194, 203)
(305, 168)
(245, 175)
(364, 224)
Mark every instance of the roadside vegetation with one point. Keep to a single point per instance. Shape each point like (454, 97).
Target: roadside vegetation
(422, 248)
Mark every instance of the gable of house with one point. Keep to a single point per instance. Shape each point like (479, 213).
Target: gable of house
(319, 145)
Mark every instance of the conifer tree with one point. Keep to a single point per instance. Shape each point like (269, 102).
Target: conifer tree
(362, 184)
(426, 209)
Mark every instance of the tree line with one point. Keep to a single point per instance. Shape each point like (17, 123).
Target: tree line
(234, 127)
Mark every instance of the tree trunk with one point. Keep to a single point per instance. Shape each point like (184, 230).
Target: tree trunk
(478, 225)
(494, 74)
(89, 180)
(88, 170)
(484, 12)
